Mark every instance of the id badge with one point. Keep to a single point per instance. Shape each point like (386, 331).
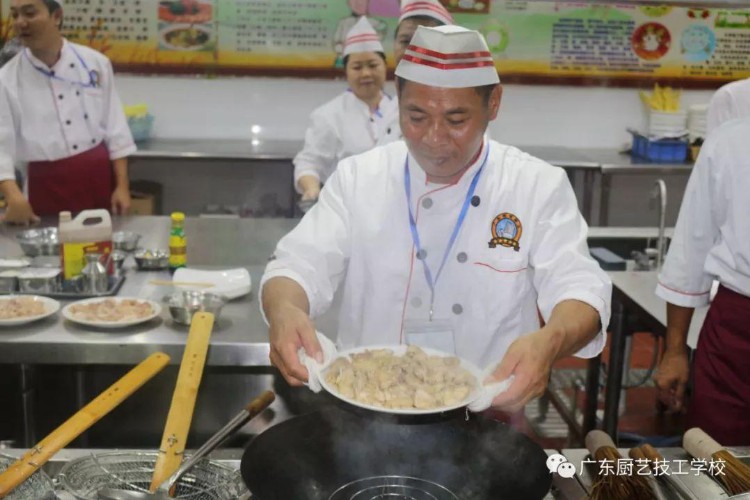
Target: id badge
(435, 334)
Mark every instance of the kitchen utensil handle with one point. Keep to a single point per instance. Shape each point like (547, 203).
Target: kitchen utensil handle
(84, 418)
(597, 439)
(699, 444)
(243, 417)
(185, 393)
(653, 455)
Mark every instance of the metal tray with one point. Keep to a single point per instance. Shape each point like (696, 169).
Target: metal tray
(68, 293)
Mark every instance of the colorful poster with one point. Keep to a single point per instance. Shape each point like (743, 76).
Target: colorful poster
(530, 40)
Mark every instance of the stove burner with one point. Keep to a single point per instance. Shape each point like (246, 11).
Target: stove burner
(392, 488)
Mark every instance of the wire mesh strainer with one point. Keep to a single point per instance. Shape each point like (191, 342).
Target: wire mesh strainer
(39, 485)
(207, 480)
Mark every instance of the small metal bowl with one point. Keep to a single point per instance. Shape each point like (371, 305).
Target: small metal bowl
(127, 241)
(118, 259)
(182, 305)
(148, 259)
(36, 242)
(41, 281)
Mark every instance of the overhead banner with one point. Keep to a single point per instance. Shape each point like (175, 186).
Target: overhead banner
(530, 40)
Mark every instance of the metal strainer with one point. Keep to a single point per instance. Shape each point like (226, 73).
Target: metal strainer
(392, 488)
(206, 480)
(39, 485)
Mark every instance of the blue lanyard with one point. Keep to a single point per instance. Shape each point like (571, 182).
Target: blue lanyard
(51, 74)
(461, 216)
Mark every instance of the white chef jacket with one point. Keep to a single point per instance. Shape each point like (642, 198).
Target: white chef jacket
(45, 118)
(712, 236)
(729, 102)
(359, 233)
(342, 127)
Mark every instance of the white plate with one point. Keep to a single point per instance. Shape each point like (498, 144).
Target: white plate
(400, 350)
(231, 283)
(51, 306)
(156, 310)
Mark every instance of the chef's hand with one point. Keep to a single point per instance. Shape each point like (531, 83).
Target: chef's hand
(309, 186)
(311, 194)
(672, 377)
(290, 329)
(529, 358)
(19, 211)
(120, 201)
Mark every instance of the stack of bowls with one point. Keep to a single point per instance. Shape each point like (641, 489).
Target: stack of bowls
(697, 121)
(36, 242)
(667, 125)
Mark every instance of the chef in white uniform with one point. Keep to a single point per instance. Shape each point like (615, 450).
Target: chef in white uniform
(445, 239)
(415, 13)
(712, 242)
(362, 117)
(59, 112)
(729, 102)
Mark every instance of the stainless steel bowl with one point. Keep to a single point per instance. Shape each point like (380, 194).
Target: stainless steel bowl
(118, 259)
(151, 259)
(127, 241)
(39, 281)
(42, 241)
(182, 305)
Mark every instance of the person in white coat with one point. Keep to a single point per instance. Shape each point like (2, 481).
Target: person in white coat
(729, 102)
(415, 13)
(359, 119)
(712, 242)
(59, 112)
(445, 239)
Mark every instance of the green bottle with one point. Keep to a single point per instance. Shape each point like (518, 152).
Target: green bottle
(177, 242)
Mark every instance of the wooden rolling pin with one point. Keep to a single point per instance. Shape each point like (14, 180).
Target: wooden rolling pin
(84, 418)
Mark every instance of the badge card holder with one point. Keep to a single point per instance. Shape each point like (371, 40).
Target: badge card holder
(436, 334)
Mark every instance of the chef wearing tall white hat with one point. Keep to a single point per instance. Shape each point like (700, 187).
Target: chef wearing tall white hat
(59, 112)
(360, 118)
(446, 239)
(415, 13)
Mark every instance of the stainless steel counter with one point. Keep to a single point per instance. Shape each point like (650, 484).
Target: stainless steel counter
(219, 149)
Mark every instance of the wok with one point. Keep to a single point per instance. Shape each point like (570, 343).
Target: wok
(311, 456)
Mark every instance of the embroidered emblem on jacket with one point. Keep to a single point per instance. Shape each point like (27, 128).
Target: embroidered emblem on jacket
(506, 231)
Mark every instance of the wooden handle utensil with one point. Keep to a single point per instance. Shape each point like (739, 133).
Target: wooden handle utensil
(612, 486)
(87, 416)
(183, 400)
(735, 476)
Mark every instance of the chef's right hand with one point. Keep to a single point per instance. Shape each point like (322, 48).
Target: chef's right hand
(19, 211)
(290, 329)
(672, 377)
(311, 193)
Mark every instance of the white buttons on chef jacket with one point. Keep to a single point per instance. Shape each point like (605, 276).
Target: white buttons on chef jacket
(416, 302)
(457, 309)
(427, 202)
(462, 257)
(422, 254)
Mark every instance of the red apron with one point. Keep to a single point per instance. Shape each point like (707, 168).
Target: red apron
(720, 403)
(80, 182)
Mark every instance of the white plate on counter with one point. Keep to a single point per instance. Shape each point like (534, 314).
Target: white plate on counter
(51, 306)
(69, 313)
(400, 350)
(231, 283)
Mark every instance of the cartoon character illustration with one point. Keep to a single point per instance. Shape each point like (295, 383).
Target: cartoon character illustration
(651, 41)
(359, 8)
(697, 43)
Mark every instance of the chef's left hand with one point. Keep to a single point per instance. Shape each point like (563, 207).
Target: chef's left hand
(529, 359)
(120, 201)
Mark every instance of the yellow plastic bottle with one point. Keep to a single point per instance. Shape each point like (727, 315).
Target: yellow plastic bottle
(90, 231)
(177, 242)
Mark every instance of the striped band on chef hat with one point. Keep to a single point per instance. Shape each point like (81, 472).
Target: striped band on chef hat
(449, 57)
(362, 38)
(427, 8)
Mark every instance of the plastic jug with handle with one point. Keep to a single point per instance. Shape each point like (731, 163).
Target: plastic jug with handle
(89, 232)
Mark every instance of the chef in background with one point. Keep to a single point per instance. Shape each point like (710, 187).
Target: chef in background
(60, 113)
(360, 118)
(415, 13)
(729, 102)
(446, 239)
(712, 241)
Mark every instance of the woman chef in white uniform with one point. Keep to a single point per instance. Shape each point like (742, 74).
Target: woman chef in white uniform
(60, 113)
(415, 13)
(446, 239)
(357, 120)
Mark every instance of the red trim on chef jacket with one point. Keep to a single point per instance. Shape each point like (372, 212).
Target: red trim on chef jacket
(81, 182)
(720, 404)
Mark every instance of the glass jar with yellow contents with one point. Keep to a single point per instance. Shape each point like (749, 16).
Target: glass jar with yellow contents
(177, 242)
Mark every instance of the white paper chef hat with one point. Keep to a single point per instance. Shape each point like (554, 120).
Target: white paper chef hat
(362, 38)
(429, 8)
(449, 57)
